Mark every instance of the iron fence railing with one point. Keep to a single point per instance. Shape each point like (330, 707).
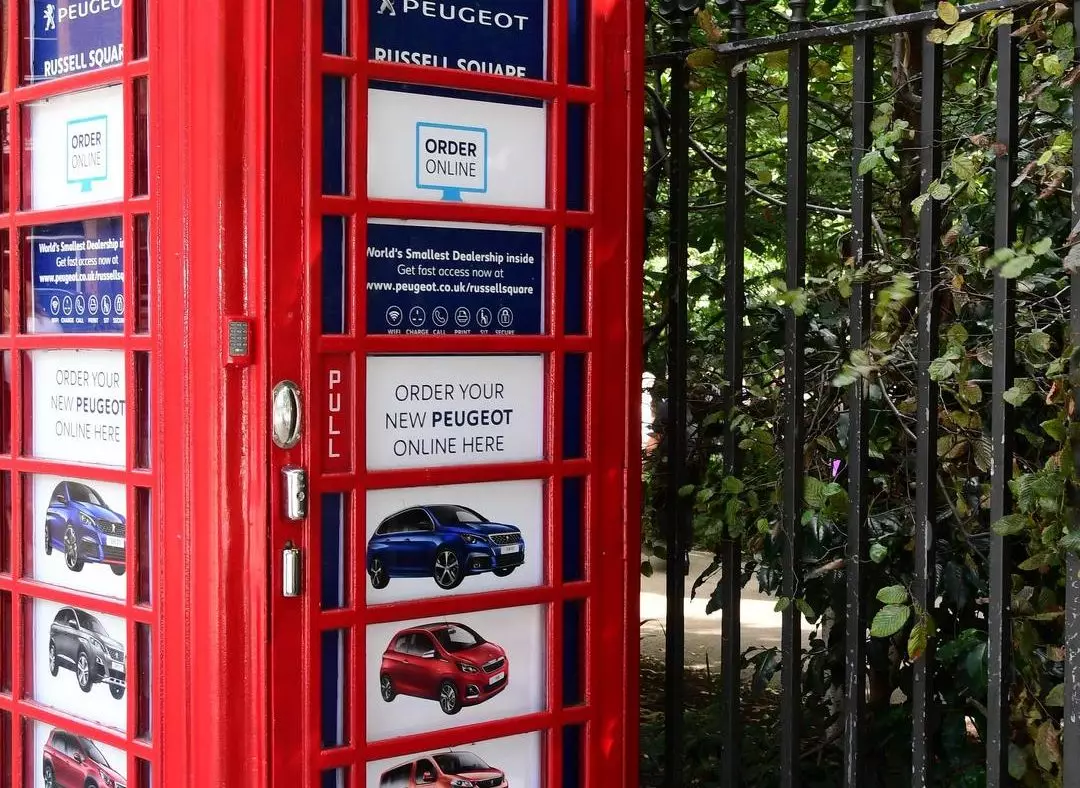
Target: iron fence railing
(868, 26)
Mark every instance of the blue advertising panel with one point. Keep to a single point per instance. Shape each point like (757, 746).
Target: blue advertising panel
(501, 37)
(74, 36)
(454, 279)
(78, 277)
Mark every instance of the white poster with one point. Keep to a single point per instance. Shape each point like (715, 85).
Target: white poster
(79, 535)
(424, 542)
(423, 147)
(79, 406)
(428, 411)
(80, 663)
(61, 759)
(513, 761)
(77, 148)
(435, 673)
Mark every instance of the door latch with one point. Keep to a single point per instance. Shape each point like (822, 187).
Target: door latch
(295, 492)
(290, 571)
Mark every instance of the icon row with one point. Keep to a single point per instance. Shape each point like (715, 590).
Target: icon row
(81, 304)
(440, 316)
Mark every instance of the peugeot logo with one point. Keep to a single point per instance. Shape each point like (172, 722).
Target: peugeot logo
(387, 7)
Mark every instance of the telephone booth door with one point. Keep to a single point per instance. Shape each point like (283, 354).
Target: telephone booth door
(80, 462)
(451, 306)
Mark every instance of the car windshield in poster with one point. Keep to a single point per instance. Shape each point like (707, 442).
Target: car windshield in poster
(78, 277)
(454, 279)
(500, 37)
(74, 36)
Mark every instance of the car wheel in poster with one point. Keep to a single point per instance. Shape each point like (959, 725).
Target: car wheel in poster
(82, 672)
(47, 773)
(379, 576)
(71, 551)
(53, 667)
(48, 540)
(386, 688)
(116, 690)
(117, 569)
(447, 571)
(503, 571)
(449, 700)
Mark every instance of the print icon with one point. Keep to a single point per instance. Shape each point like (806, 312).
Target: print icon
(462, 316)
(483, 317)
(92, 305)
(393, 316)
(417, 316)
(440, 316)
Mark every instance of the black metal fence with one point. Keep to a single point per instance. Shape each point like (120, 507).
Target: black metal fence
(869, 25)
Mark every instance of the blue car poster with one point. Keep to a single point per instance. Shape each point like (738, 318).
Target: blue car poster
(473, 538)
(80, 535)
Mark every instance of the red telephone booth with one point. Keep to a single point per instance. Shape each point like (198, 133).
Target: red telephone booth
(319, 435)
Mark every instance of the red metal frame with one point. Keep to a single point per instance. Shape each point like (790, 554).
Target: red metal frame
(18, 466)
(296, 349)
(234, 207)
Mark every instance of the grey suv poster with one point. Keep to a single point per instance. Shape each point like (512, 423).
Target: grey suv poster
(80, 663)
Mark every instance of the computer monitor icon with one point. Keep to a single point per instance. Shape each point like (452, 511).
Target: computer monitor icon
(451, 159)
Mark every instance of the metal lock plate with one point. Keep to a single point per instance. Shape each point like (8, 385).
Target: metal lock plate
(294, 492)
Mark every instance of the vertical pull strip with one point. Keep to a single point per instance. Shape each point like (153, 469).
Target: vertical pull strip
(677, 505)
(795, 387)
(1002, 417)
(927, 398)
(735, 309)
(858, 427)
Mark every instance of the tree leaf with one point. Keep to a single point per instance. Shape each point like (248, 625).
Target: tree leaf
(889, 620)
(701, 58)
(1047, 746)
(893, 595)
(960, 32)
(871, 160)
(942, 369)
(814, 492)
(1016, 266)
(646, 568)
(970, 392)
(948, 13)
(940, 191)
(917, 641)
(1018, 762)
(1018, 394)
(878, 552)
(1056, 696)
(1012, 524)
(782, 604)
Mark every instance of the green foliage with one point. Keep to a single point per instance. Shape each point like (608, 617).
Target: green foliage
(746, 506)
